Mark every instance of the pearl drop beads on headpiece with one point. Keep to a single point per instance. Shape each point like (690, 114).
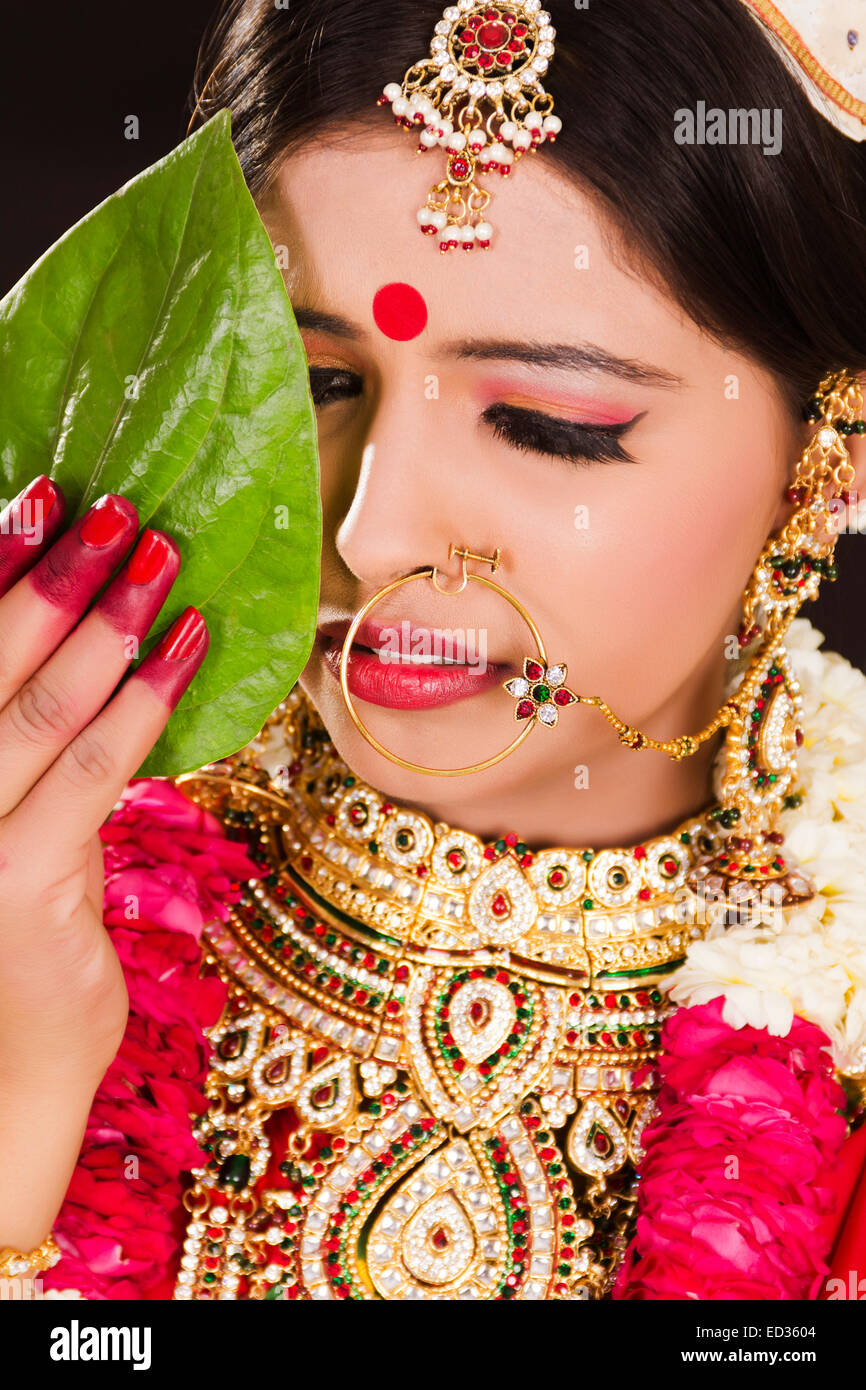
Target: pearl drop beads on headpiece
(480, 97)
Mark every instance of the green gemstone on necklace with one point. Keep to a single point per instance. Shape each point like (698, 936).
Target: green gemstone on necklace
(541, 693)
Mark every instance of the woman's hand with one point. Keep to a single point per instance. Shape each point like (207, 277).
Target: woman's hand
(69, 741)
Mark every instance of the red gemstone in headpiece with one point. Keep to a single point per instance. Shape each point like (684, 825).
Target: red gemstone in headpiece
(493, 35)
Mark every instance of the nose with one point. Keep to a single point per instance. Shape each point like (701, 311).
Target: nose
(406, 505)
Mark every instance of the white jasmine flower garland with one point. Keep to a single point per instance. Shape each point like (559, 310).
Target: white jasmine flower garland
(814, 964)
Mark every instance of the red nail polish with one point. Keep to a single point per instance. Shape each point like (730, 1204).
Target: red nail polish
(105, 522)
(41, 494)
(184, 637)
(148, 560)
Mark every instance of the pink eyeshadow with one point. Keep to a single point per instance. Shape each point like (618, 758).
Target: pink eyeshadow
(582, 409)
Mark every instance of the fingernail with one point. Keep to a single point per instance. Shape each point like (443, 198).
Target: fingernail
(184, 637)
(105, 522)
(149, 558)
(40, 493)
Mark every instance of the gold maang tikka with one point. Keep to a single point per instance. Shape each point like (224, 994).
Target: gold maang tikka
(478, 96)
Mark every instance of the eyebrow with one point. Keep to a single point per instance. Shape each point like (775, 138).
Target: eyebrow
(320, 322)
(585, 357)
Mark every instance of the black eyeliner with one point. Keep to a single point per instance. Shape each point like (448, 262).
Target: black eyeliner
(537, 432)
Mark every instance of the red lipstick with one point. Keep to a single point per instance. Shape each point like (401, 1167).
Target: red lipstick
(403, 665)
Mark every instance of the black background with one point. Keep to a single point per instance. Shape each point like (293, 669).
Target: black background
(69, 76)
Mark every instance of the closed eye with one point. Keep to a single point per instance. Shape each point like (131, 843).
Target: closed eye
(329, 384)
(538, 433)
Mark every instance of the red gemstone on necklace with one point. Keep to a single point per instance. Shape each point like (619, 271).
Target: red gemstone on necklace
(486, 60)
(563, 697)
(493, 34)
(439, 1239)
(459, 166)
(525, 708)
(533, 671)
(500, 906)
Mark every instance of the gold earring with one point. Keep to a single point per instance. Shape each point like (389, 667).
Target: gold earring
(761, 747)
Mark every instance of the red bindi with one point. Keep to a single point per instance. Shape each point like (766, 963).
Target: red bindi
(400, 312)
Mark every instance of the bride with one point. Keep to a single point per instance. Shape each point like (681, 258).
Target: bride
(523, 954)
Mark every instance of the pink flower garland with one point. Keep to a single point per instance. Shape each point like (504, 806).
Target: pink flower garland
(733, 1201)
(169, 869)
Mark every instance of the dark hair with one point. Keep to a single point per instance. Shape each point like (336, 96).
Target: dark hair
(765, 252)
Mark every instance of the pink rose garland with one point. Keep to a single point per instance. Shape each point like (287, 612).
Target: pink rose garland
(169, 869)
(732, 1198)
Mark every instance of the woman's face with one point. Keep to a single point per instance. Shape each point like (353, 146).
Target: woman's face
(556, 407)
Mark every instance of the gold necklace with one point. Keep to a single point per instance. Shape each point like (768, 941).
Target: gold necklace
(438, 1056)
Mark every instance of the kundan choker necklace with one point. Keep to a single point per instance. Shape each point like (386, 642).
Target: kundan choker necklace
(465, 1034)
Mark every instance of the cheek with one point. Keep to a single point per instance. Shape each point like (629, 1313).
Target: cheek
(650, 576)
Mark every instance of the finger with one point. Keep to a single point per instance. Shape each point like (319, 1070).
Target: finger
(45, 605)
(69, 690)
(27, 527)
(79, 791)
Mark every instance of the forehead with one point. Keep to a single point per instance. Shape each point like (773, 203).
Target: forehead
(347, 213)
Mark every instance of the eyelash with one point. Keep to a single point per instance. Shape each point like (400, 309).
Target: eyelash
(537, 433)
(328, 384)
(530, 430)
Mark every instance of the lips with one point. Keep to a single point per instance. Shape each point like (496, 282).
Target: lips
(401, 665)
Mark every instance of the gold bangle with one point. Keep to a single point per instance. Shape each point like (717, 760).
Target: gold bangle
(15, 1262)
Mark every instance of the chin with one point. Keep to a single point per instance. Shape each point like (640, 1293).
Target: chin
(454, 736)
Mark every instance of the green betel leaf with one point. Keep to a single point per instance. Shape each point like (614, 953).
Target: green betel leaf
(153, 352)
